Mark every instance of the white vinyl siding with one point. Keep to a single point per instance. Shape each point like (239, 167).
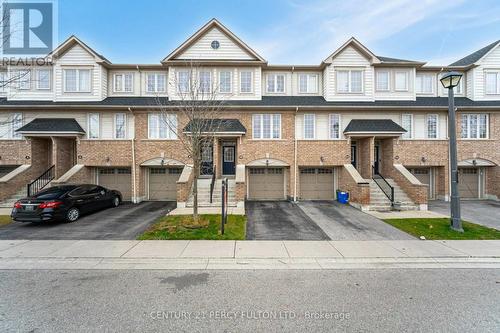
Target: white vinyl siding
(350, 81)
(407, 124)
(275, 83)
(4, 82)
(43, 79)
(9, 123)
(225, 82)
(401, 81)
(309, 126)
(205, 82)
(183, 81)
(17, 123)
(383, 82)
(162, 126)
(474, 126)
(246, 83)
(334, 126)
(424, 83)
(77, 80)
(492, 83)
(123, 82)
(308, 83)
(120, 126)
(266, 126)
(155, 82)
(94, 126)
(432, 126)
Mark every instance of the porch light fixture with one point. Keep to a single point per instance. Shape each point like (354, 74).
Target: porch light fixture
(450, 80)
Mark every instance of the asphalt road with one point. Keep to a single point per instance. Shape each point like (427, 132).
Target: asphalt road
(416, 300)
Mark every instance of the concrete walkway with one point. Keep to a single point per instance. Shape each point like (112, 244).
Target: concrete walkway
(207, 210)
(123, 254)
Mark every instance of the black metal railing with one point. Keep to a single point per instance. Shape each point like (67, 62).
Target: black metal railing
(384, 185)
(212, 184)
(35, 186)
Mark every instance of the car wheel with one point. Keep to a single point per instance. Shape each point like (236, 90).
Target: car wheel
(116, 201)
(72, 215)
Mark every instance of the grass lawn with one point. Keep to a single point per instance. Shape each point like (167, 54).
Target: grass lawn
(182, 227)
(439, 228)
(4, 219)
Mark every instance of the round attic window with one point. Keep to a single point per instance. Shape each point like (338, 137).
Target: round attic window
(215, 44)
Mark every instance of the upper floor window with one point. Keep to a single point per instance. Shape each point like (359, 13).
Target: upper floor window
(308, 83)
(155, 82)
(350, 81)
(275, 83)
(474, 126)
(183, 81)
(17, 122)
(266, 126)
(120, 125)
(492, 83)
(424, 83)
(205, 81)
(246, 82)
(76, 80)
(382, 81)
(4, 81)
(401, 81)
(225, 80)
(334, 120)
(162, 126)
(22, 78)
(123, 82)
(407, 124)
(309, 126)
(43, 79)
(432, 126)
(93, 126)
(9, 125)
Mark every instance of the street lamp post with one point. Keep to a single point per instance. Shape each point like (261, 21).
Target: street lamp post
(449, 81)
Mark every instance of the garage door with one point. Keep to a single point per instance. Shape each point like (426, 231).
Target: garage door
(468, 182)
(316, 184)
(117, 179)
(163, 183)
(424, 176)
(266, 184)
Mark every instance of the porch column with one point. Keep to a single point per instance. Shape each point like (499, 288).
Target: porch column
(366, 148)
(386, 157)
(63, 155)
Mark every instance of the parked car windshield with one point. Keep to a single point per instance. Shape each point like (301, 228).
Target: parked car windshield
(53, 193)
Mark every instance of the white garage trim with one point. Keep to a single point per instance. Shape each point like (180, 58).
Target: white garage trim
(267, 162)
(160, 161)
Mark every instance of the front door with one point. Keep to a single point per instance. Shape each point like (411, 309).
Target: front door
(376, 164)
(207, 161)
(354, 154)
(228, 163)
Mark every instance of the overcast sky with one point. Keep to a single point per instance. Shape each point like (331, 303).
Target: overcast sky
(286, 31)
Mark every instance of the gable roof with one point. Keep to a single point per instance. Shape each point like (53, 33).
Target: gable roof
(475, 56)
(386, 60)
(357, 45)
(373, 125)
(52, 125)
(213, 23)
(70, 42)
(216, 126)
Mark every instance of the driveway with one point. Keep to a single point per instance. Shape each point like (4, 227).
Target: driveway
(280, 220)
(126, 221)
(484, 212)
(343, 222)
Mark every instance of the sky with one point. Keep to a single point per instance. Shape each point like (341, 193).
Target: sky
(285, 31)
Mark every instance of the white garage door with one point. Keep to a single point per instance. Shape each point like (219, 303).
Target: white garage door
(468, 182)
(266, 184)
(316, 184)
(119, 179)
(163, 183)
(424, 176)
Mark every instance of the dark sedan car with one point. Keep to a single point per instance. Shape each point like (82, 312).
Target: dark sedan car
(64, 203)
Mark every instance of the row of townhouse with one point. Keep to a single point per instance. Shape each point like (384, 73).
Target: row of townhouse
(356, 122)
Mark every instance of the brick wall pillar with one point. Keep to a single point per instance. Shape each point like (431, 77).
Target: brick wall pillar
(366, 156)
(63, 155)
(386, 156)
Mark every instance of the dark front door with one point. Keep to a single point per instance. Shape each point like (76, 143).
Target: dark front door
(376, 164)
(354, 155)
(207, 161)
(228, 163)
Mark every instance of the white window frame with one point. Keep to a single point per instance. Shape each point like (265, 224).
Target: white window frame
(241, 82)
(210, 82)
(230, 81)
(306, 115)
(158, 77)
(388, 73)
(427, 126)
(4, 80)
(123, 80)
(330, 132)
(419, 88)
(170, 133)
(115, 128)
(15, 124)
(98, 135)
(349, 81)
(24, 79)
(468, 129)
(274, 77)
(78, 88)
(497, 74)
(38, 80)
(260, 135)
(408, 134)
(405, 73)
(183, 87)
(308, 77)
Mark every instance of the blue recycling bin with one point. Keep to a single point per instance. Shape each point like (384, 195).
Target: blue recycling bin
(342, 197)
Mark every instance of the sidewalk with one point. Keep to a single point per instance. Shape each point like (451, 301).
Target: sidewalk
(124, 254)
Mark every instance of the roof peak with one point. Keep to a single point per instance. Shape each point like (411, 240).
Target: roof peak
(475, 56)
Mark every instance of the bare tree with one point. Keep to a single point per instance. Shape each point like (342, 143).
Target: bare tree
(196, 116)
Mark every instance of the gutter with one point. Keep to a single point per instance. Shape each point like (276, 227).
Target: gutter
(132, 141)
(295, 147)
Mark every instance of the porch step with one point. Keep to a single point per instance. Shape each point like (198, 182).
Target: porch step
(380, 202)
(9, 202)
(204, 194)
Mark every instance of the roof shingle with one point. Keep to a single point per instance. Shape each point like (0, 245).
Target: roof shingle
(473, 57)
(52, 125)
(373, 125)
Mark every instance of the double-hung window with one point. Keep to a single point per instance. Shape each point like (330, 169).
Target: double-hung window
(16, 123)
(120, 125)
(183, 81)
(407, 124)
(155, 82)
(266, 126)
(350, 81)
(275, 83)
(245, 82)
(308, 83)
(474, 126)
(401, 81)
(23, 78)
(43, 79)
(162, 126)
(492, 83)
(123, 82)
(334, 126)
(4, 80)
(205, 81)
(432, 126)
(94, 125)
(225, 82)
(77, 80)
(309, 126)
(382, 81)
(424, 83)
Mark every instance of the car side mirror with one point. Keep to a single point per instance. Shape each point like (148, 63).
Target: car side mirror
(102, 192)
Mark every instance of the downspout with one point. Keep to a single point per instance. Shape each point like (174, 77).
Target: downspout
(295, 154)
(134, 187)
